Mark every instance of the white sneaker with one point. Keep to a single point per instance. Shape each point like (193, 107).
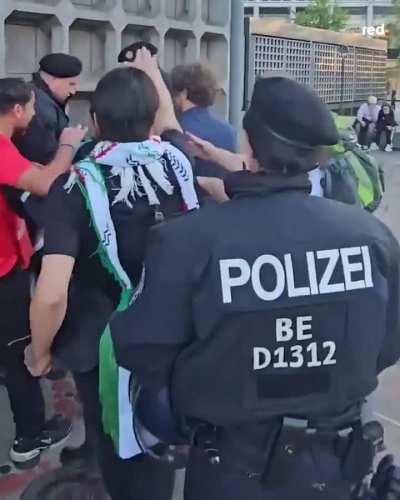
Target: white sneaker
(374, 147)
(388, 148)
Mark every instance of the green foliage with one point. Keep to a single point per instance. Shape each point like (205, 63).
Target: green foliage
(321, 14)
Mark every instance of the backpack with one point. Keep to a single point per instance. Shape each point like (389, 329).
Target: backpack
(352, 176)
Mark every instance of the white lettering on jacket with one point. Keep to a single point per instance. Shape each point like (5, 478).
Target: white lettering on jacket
(295, 348)
(353, 264)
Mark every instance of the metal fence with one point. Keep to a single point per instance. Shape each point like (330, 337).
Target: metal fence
(320, 66)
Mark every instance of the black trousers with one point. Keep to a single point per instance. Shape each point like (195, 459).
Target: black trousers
(135, 479)
(24, 391)
(363, 134)
(387, 132)
(205, 481)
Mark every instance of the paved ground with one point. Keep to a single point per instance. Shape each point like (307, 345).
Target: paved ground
(61, 394)
(61, 398)
(388, 394)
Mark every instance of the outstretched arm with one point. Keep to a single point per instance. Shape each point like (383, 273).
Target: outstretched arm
(232, 162)
(38, 180)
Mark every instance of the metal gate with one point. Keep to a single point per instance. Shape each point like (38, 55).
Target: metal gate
(320, 66)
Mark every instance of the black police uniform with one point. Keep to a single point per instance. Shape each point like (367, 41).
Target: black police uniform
(269, 318)
(255, 317)
(41, 140)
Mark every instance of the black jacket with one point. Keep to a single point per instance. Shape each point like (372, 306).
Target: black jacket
(386, 120)
(40, 142)
(275, 303)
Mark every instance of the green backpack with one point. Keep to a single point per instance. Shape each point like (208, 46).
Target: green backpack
(352, 175)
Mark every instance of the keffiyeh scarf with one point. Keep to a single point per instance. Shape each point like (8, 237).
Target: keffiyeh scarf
(142, 171)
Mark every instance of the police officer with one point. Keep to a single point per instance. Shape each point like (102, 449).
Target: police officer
(269, 318)
(54, 84)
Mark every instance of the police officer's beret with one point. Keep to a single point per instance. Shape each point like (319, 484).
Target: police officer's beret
(293, 113)
(128, 54)
(61, 65)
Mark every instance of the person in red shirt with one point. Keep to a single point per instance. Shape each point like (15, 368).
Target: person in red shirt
(33, 432)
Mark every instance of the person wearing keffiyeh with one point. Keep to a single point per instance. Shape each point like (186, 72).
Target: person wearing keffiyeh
(97, 219)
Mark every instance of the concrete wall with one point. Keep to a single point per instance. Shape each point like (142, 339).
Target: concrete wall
(96, 30)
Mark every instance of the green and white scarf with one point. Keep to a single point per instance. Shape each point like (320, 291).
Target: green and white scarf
(142, 171)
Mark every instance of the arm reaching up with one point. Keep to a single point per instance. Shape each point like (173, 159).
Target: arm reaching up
(166, 117)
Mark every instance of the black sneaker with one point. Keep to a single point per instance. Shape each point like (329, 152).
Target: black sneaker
(56, 431)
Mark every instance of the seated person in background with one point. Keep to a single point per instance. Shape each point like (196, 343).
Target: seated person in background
(195, 89)
(385, 124)
(367, 117)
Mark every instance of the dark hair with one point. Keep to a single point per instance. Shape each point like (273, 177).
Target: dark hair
(275, 155)
(199, 82)
(14, 91)
(125, 103)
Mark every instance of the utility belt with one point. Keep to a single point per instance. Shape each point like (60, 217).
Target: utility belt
(293, 441)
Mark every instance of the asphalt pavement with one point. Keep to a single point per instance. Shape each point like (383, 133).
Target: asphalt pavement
(387, 399)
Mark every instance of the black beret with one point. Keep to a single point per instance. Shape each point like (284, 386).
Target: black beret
(61, 65)
(128, 54)
(293, 113)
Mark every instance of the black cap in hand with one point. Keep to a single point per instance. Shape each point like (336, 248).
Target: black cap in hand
(128, 54)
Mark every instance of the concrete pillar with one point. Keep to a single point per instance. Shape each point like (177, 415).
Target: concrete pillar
(161, 46)
(370, 14)
(197, 48)
(292, 13)
(112, 47)
(236, 63)
(60, 38)
(2, 49)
